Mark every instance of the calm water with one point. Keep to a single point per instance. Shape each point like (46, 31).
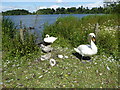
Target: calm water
(37, 21)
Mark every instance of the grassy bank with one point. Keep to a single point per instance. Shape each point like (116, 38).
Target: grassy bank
(22, 66)
(73, 32)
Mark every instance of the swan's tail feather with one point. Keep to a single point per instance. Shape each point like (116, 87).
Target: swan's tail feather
(76, 50)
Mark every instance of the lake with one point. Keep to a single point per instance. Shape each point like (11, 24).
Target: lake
(37, 21)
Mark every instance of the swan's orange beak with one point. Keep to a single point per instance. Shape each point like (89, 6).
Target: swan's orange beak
(93, 39)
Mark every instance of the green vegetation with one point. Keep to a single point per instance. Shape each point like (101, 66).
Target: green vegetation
(16, 12)
(113, 8)
(21, 60)
(76, 33)
(12, 45)
(72, 10)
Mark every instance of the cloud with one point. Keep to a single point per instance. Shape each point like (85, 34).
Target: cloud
(96, 4)
(59, 1)
(92, 5)
(6, 8)
(54, 6)
(43, 7)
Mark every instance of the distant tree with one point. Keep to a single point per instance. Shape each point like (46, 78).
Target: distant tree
(63, 11)
(113, 8)
(116, 8)
(58, 10)
(53, 10)
(72, 10)
(16, 12)
(100, 9)
(46, 11)
(94, 10)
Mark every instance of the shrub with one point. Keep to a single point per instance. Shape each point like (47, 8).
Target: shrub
(73, 32)
(13, 46)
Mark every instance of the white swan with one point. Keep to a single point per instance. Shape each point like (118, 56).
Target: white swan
(49, 39)
(87, 50)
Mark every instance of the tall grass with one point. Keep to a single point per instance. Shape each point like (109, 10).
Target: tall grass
(13, 46)
(73, 31)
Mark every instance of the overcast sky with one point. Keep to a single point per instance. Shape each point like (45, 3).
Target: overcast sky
(33, 5)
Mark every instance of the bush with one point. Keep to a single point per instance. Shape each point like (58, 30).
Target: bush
(108, 42)
(73, 32)
(13, 46)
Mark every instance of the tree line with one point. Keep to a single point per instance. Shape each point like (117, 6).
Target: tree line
(72, 10)
(16, 12)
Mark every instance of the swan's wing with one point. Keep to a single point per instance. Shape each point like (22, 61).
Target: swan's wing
(84, 47)
(85, 50)
(50, 39)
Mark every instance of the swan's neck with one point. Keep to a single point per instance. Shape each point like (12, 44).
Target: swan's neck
(93, 46)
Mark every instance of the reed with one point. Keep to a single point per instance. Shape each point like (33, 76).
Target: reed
(13, 45)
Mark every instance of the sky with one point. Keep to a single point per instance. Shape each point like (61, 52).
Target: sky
(33, 5)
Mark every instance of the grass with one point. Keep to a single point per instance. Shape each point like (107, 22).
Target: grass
(29, 72)
(68, 73)
(0, 52)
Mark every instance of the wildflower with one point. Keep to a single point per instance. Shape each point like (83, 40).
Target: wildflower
(60, 56)
(96, 71)
(40, 76)
(95, 63)
(108, 68)
(100, 74)
(26, 77)
(66, 56)
(66, 75)
(63, 85)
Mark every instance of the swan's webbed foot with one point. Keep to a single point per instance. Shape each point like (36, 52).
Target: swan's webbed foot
(88, 58)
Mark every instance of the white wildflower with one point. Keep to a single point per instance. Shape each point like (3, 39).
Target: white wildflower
(26, 77)
(96, 71)
(60, 56)
(95, 63)
(100, 74)
(108, 68)
(66, 56)
(40, 76)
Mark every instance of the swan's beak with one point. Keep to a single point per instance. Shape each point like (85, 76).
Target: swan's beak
(93, 39)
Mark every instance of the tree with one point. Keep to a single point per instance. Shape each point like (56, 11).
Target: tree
(116, 8)
(72, 10)
(16, 12)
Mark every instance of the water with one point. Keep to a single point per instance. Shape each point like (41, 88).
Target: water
(38, 21)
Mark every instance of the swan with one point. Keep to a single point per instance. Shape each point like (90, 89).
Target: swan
(87, 50)
(49, 39)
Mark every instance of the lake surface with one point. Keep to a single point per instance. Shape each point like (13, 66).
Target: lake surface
(37, 21)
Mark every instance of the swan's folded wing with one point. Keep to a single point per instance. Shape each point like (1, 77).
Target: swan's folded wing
(50, 39)
(85, 50)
